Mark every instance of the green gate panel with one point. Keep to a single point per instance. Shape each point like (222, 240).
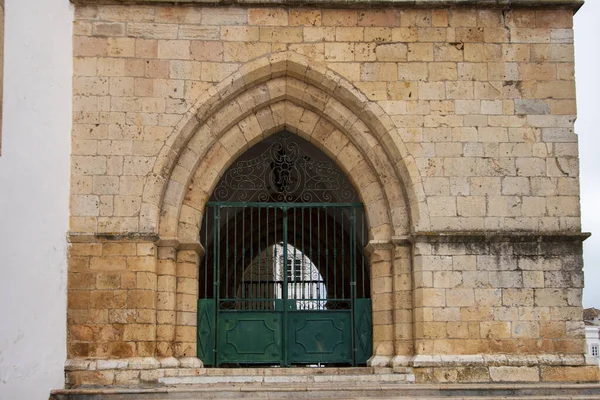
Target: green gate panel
(249, 337)
(206, 331)
(319, 337)
(284, 283)
(363, 330)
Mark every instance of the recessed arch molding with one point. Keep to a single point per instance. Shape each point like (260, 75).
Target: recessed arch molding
(267, 95)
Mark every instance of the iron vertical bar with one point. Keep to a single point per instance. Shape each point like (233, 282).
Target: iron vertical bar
(310, 224)
(343, 251)
(258, 304)
(294, 266)
(266, 286)
(335, 294)
(303, 249)
(275, 260)
(285, 290)
(318, 294)
(227, 252)
(327, 281)
(235, 259)
(362, 251)
(251, 300)
(352, 256)
(217, 239)
(243, 277)
(206, 216)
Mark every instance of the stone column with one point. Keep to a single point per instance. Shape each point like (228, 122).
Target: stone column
(165, 303)
(380, 255)
(186, 303)
(403, 302)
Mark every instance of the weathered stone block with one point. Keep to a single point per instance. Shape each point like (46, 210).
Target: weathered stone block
(570, 374)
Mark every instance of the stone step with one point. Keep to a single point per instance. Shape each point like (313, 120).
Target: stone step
(350, 376)
(296, 371)
(312, 391)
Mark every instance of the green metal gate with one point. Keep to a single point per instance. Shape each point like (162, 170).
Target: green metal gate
(283, 282)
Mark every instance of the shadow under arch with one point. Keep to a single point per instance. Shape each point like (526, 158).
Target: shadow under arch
(283, 91)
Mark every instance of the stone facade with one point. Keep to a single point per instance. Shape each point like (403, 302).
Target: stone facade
(455, 126)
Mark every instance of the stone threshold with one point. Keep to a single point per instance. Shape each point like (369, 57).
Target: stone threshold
(355, 380)
(571, 4)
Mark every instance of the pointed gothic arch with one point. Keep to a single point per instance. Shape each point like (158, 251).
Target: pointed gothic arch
(264, 96)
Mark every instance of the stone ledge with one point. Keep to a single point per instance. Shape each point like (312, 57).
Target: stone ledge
(498, 368)
(498, 360)
(417, 237)
(129, 371)
(572, 4)
(535, 374)
(498, 236)
(84, 237)
(136, 363)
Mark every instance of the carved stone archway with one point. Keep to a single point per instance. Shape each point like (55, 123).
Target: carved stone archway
(280, 76)
(268, 95)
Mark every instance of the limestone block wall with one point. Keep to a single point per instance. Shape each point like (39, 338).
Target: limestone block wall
(484, 100)
(112, 300)
(501, 296)
(454, 124)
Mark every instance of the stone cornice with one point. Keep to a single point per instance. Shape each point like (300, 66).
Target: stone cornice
(417, 237)
(84, 237)
(573, 4)
(498, 236)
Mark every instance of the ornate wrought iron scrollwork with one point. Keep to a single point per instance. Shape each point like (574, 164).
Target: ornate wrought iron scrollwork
(285, 172)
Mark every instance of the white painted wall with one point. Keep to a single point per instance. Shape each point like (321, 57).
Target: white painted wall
(34, 186)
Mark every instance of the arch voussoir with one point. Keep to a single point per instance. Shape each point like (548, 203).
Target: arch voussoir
(337, 145)
(269, 94)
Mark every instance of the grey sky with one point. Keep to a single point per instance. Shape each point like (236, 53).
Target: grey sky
(587, 73)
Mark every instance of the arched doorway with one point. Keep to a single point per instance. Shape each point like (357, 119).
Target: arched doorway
(284, 279)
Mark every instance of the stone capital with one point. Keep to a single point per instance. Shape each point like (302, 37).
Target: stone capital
(181, 245)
